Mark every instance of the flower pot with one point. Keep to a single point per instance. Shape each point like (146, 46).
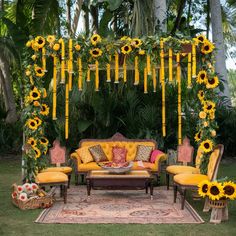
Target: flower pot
(218, 203)
(219, 211)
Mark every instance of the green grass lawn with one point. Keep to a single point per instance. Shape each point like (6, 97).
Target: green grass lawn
(16, 222)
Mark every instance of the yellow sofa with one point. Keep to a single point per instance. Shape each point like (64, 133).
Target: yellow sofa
(120, 141)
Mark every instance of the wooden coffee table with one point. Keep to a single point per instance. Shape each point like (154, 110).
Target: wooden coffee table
(136, 179)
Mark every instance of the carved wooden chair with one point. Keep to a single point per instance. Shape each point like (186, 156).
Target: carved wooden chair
(184, 156)
(182, 182)
(58, 157)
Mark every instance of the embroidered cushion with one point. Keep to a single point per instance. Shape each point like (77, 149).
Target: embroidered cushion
(119, 154)
(97, 153)
(154, 155)
(84, 155)
(143, 153)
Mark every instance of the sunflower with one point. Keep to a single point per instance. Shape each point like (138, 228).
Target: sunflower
(51, 38)
(229, 189)
(28, 44)
(202, 114)
(56, 46)
(200, 95)
(35, 94)
(202, 77)
(32, 124)
(207, 145)
(39, 71)
(198, 136)
(77, 47)
(207, 47)
(37, 152)
(44, 110)
(203, 188)
(141, 52)
(215, 191)
(34, 45)
(126, 49)
(44, 93)
(32, 141)
(96, 52)
(38, 121)
(34, 57)
(40, 41)
(44, 141)
(209, 106)
(95, 39)
(136, 42)
(126, 38)
(201, 38)
(212, 83)
(213, 133)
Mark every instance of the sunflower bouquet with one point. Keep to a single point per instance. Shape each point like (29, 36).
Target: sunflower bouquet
(217, 190)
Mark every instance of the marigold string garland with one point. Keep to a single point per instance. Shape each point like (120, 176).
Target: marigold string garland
(70, 64)
(189, 70)
(96, 76)
(44, 59)
(62, 61)
(109, 70)
(148, 64)
(194, 61)
(154, 79)
(88, 75)
(54, 101)
(80, 78)
(124, 69)
(145, 80)
(170, 65)
(136, 71)
(116, 67)
(179, 99)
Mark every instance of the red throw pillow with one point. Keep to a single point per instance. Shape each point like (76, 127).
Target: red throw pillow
(119, 154)
(154, 155)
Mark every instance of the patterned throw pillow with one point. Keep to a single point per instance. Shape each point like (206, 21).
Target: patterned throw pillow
(84, 155)
(143, 153)
(97, 153)
(119, 154)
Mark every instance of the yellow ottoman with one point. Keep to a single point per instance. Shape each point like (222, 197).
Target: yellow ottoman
(53, 179)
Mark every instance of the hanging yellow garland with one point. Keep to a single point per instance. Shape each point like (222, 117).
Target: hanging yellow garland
(170, 65)
(70, 64)
(97, 76)
(80, 77)
(136, 71)
(88, 75)
(124, 69)
(154, 79)
(179, 99)
(145, 80)
(44, 59)
(194, 62)
(109, 70)
(148, 64)
(54, 91)
(63, 76)
(116, 67)
(189, 70)
(67, 112)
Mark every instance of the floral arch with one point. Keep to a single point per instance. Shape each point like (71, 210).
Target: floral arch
(153, 60)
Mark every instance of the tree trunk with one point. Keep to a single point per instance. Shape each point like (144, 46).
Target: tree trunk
(94, 14)
(2, 5)
(160, 15)
(68, 16)
(217, 35)
(8, 91)
(78, 8)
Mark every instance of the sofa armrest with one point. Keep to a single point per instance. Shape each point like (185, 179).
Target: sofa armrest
(76, 158)
(160, 158)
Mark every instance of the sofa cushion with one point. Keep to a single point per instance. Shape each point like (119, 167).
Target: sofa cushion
(84, 155)
(143, 153)
(119, 154)
(97, 153)
(154, 155)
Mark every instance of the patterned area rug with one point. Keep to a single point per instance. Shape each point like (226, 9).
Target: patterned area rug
(129, 206)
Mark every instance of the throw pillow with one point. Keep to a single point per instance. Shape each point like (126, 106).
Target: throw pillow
(97, 153)
(143, 153)
(84, 155)
(154, 155)
(119, 154)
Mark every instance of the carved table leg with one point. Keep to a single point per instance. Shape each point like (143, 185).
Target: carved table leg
(88, 187)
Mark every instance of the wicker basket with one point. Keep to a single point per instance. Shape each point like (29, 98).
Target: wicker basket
(35, 202)
(217, 203)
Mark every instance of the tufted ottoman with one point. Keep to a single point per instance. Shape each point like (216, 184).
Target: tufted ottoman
(53, 179)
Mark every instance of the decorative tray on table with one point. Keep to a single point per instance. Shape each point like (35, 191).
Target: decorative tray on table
(117, 168)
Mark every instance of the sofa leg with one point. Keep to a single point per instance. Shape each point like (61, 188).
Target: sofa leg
(183, 196)
(76, 179)
(168, 181)
(82, 178)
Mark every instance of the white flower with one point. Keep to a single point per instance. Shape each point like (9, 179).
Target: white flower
(34, 187)
(20, 188)
(26, 186)
(23, 197)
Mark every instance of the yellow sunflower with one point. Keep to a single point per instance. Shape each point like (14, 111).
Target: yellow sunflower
(37, 152)
(44, 110)
(28, 44)
(209, 106)
(201, 38)
(198, 136)
(39, 71)
(207, 47)
(206, 145)
(56, 46)
(77, 47)
(136, 42)
(212, 83)
(203, 188)
(34, 94)
(202, 114)
(202, 77)
(32, 124)
(215, 191)
(51, 38)
(141, 52)
(229, 189)
(44, 141)
(32, 141)
(126, 38)
(126, 49)
(34, 45)
(38, 121)
(95, 39)
(200, 95)
(40, 41)
(95, 52)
